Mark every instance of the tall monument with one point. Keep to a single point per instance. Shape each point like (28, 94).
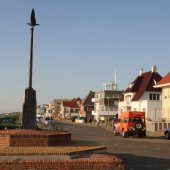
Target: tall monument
(28, 118)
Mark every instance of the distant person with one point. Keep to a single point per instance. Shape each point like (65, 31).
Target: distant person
(97, 122)
(90, 121)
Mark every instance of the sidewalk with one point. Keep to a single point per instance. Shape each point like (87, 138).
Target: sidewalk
(110, 128)
(155, 134)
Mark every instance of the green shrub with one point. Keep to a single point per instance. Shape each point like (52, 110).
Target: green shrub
(9, 126)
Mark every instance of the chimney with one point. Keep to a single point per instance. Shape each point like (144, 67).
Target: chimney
(140, 72)
(154, 69)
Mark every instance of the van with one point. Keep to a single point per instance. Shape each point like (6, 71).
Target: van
(130, 123)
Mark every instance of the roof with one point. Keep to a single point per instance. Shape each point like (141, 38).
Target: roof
(88, 99)
(164, 81)
(72, 103)
(66, 103)
(144, 82)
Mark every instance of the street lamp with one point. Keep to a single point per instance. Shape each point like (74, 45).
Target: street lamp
(108, 111)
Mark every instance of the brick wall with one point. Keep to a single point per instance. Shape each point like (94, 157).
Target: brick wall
(95, 162)
(32, 138)
(5, 141)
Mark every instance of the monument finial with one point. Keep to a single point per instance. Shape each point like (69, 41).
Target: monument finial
(32, 19)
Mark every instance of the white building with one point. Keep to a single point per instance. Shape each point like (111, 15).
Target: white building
(142, 96)
(165, 85)
(106, 102)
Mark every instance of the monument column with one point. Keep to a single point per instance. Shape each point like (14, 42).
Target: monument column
(28, 118)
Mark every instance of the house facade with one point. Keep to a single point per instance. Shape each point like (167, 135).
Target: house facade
(57, 105)
(86, 106)
(165, 85)
(70, 108)
(142, 96)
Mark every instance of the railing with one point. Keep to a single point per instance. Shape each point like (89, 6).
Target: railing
(99, 112)
(58, 126)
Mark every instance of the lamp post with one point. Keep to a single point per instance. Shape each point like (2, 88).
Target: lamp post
(108, 111)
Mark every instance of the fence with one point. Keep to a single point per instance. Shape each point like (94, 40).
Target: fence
(59, 126)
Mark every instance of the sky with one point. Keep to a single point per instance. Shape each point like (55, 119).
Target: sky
(78, 45)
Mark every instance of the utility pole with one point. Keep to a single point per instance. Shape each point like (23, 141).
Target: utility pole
(108, 112)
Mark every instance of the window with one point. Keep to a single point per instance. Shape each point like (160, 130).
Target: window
(136, 119)
(111, 108)
(125, 120)
(153, 96)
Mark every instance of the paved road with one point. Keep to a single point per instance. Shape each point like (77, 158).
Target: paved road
(150, 153)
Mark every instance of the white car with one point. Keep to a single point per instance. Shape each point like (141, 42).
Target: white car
(48, 120)
(167, 133)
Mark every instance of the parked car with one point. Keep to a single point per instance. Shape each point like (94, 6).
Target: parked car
(130, 123)
(6, 120)
(167, 133)
(47, 120)
(39, 119)
(83, 118)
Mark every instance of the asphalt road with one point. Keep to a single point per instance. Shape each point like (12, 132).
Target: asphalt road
(150, 153)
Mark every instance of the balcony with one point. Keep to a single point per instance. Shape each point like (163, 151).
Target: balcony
(125, 103)
(104, 113)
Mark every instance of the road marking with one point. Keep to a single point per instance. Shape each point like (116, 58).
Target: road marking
(157, 148)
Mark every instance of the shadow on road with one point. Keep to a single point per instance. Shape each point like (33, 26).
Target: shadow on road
(146, 163)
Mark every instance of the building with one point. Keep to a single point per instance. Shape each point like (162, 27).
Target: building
(42, 109)
(106, 102)
(57, 105)
(86, 106)
(70, 108)
(164, 83)
(142, 96)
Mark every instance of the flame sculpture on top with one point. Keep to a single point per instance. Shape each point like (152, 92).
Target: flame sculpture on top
(33, 19)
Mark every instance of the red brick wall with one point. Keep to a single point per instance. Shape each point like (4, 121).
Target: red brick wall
(17, 140)
(50, 140)
(5, 141)
(101, 162)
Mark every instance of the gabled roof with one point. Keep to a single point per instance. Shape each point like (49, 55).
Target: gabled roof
(164, 81)
(66, 103)
(88, 99)
(72, 103)
(142, 83)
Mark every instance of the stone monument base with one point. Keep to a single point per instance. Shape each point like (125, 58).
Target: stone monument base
(33, 138)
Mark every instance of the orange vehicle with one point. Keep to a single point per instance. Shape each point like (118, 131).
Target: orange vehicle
(130, 123)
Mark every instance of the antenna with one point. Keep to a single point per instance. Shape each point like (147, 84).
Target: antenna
(115, 76)
(114, 84)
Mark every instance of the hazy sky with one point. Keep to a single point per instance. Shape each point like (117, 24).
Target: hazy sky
(78, 45)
